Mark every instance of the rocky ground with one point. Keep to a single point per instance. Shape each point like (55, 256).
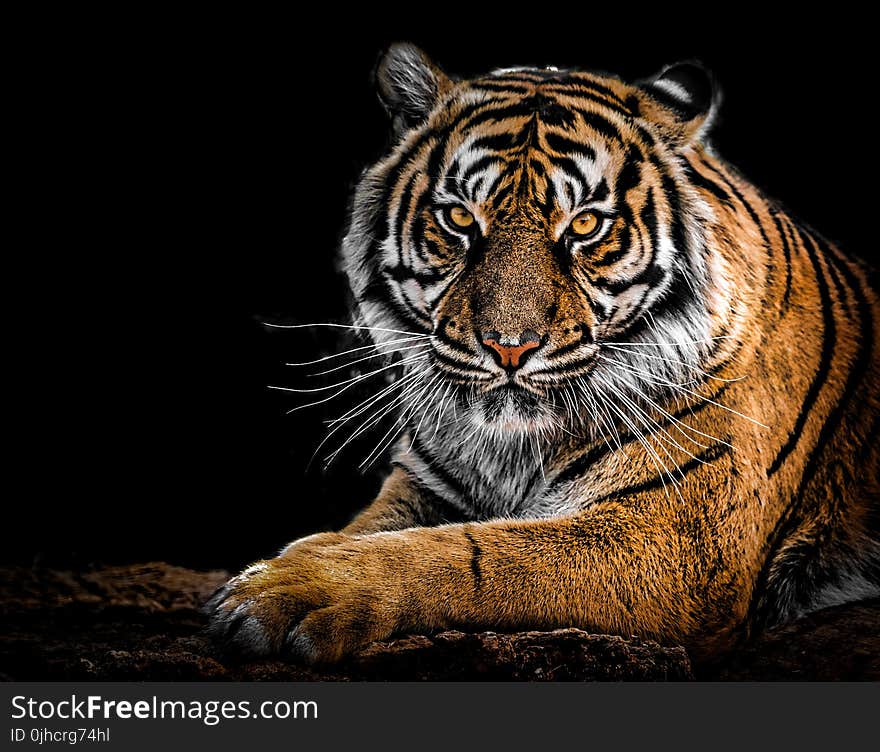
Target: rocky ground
(143, 623)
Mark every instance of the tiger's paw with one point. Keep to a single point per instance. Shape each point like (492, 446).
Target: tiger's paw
(319, 601)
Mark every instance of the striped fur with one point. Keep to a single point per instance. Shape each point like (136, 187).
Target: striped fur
(691, 451)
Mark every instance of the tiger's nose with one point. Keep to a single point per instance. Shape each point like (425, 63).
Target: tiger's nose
(511, 352)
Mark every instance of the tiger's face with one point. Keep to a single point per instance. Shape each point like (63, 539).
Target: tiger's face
(523, 221)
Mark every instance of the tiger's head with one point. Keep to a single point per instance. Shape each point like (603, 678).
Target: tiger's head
(527, 220)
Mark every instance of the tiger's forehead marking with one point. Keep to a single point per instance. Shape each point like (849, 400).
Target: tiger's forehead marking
(604, 90)
(527, 148)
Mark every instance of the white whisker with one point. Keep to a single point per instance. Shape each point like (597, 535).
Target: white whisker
(353, 380)
(672, 344)
(347, 326)
(387, 353)
(681, 388)
(672, 361)
(335, 394)
(375, 418)
(407, 413)
(354, 350)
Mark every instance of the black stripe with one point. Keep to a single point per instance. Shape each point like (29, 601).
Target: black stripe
(564, 145)
(714, 452)
(701, 181)
(479, 165)
(455, 186)
(673, 198)
(599, 308)
(633, 314)
(497, 114)
(630, 174)
(417, 236)
(436, 467)
(414, 313)
(495, 183)
(829, 336)
(676, 298)
(748, 207)
(445, 511)
(505, 87)
(600, 192)
(568, 368)
(495, 142)
(622, 249)
(453, 363)
(564, 349)
(584, 93)
(577, 83)
(500, 197)
(648, 216)
(435, 156)
(403, 207)
(602, 125)
(786, 250)
(834, 270)
(865, 321)
(570, 168)
(451, 343)
(547, 207)
(645, 134)
(476, 555)
(578, 466)
(651, 275)
(721, 365)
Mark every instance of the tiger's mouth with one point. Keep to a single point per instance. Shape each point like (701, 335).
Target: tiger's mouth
(510, 407)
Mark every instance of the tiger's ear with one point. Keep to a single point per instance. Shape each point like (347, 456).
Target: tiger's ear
(683, 99)
(409, 85)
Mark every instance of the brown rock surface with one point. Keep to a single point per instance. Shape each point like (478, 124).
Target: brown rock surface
(143, 622)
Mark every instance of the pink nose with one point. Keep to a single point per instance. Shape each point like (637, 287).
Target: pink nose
(512, 355)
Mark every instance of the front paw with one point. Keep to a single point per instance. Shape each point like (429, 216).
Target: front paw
(315, 603)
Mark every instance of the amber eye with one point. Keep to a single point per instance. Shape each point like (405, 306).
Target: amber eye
(461, 217)
(585, 224)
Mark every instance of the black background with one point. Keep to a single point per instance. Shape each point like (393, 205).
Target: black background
(225, 149)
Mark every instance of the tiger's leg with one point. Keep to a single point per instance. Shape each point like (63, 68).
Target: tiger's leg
(614, 568)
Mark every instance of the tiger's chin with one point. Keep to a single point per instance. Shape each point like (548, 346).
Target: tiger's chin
(511, 409)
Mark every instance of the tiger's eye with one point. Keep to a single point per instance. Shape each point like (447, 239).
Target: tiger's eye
(461, 217)
(585, 224)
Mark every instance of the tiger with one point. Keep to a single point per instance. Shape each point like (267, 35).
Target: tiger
(639, 397)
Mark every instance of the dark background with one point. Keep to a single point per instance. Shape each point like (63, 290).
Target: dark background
(225, 149)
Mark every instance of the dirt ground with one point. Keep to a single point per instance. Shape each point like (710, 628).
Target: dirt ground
(143, 623)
